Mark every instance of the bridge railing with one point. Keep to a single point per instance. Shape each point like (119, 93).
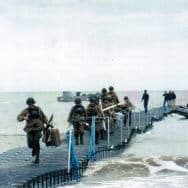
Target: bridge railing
(137, 121)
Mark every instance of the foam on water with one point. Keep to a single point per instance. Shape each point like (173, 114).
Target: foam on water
(158, 171)
(160, 182)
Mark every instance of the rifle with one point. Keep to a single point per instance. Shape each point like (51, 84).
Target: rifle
(49, 123)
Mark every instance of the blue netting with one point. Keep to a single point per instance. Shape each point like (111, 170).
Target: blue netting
(91, 151)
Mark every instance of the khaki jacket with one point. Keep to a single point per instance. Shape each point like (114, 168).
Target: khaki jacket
(33, 124)
(95, 110)
(113, 98)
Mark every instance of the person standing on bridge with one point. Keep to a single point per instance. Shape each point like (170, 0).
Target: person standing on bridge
(112, 96)
(93, 109)
(112, 100)
(165, 102)
(173, 99)
(104, 98)
(145, 99)
(77, 118)
(126, 109)
(35, 120)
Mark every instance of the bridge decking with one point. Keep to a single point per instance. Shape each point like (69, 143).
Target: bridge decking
(16, 165)
(182, 111)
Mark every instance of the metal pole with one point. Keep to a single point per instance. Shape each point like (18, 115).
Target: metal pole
(108, 125)
(121, 121)
(94, 129)
(139, 122)
(134, 119)
(128, 124)
(69, 153)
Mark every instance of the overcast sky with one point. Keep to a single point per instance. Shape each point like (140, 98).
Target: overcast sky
(90, 44)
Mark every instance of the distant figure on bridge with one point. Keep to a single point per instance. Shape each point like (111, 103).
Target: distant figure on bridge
(104, 98)
(145, 99)
(112, 96)
(173, 99)
(112, 100)
(35, 120)
(77, 118)
(93, 109)
(165, 102)
(126, 109)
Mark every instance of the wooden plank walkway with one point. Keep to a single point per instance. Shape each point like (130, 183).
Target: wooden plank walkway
(16, 165)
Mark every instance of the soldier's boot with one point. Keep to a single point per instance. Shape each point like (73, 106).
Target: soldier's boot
(76, 138)
(82, 138)
(33, 152)
(97, 137)
(37, 160)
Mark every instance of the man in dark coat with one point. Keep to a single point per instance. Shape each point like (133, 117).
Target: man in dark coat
(165, 102)
(145, 99)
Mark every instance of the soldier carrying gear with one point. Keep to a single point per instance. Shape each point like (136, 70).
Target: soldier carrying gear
(35, 120)
(94, 110)
(112, 96)
(127, 110)
(77, 117)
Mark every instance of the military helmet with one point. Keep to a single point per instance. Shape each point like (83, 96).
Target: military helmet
(77, 101)
(30, 101)
(92, 99)
(126, 98)
(111, 88)
(104, 90)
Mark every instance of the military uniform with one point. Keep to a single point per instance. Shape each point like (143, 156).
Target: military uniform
(95, 110)
(104, 100)
(112, 97)
(35, 119)
(77, 119)
(126, 109)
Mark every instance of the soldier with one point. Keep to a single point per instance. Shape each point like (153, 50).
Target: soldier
(112, 96)
(104, 98)
(35, 119)
(93, 109)
(112, 100)
(127, 109)
(77, 117)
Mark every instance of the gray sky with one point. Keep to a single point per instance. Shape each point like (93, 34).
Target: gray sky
(90, 44)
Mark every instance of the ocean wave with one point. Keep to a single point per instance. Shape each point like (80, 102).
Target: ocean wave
(120, 168)
(160, 182)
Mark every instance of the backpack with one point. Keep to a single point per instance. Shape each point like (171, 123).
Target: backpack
(34, 113)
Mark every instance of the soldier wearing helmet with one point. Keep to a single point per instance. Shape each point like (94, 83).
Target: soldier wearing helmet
(35, 120)
(126, 109)
(112, 96)
(93, 109)
(77, 117)
(104, 98)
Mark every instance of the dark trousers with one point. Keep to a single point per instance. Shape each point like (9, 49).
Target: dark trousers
(33, 140)
(127, 116)
(146, 107)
